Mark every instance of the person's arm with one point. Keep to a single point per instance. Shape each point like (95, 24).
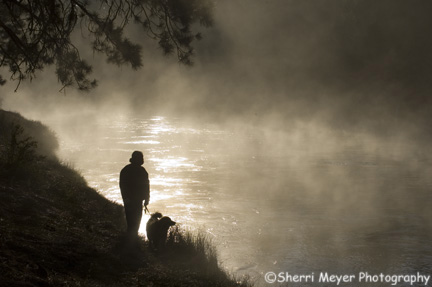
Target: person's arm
(147, 193)
(146, 188)
(122, 182)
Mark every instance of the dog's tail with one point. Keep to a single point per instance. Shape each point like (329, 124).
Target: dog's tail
(156, 215)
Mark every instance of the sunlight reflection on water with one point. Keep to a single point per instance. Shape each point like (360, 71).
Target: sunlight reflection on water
(144, 142)
(271, 206)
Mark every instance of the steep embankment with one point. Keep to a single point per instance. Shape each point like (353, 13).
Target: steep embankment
(57, 231)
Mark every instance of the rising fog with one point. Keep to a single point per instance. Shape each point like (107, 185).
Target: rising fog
(300, 71)
(349, 65)
(329, 102)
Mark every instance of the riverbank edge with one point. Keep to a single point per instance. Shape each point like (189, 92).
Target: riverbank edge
(57, 231)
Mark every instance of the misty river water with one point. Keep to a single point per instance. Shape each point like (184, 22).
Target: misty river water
(272, 201)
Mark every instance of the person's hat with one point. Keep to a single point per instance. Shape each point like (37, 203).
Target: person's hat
(137, 156)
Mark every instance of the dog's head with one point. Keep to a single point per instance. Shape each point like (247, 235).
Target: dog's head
(156, 215)
(166, 221)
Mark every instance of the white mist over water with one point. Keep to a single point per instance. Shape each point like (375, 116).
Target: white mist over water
(271, 201)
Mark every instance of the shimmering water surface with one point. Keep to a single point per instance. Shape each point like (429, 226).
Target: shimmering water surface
(270, 202)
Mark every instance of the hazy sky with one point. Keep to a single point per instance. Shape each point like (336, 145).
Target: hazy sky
(352, 64)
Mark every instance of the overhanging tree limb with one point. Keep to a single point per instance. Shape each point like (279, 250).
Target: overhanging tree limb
(36, 34)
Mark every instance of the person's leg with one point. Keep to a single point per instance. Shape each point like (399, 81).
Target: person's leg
(129, 212)
(133, 211)
(136, 217)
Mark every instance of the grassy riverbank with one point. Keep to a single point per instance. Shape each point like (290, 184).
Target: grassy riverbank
(57, 231)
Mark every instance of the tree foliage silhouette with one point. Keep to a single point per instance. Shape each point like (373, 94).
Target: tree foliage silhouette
(36, 34)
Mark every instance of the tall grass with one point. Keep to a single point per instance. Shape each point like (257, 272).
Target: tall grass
(196, 251)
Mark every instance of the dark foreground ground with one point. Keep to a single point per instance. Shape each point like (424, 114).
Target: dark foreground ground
(57, 231)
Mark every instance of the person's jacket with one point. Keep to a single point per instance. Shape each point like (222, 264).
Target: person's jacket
(134, 183)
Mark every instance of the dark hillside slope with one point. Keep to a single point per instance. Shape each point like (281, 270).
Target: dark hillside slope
(57, 231)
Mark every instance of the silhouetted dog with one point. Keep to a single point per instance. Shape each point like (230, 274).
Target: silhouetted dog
(157, 229)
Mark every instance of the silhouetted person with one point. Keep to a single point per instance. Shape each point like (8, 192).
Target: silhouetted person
(135, 188)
